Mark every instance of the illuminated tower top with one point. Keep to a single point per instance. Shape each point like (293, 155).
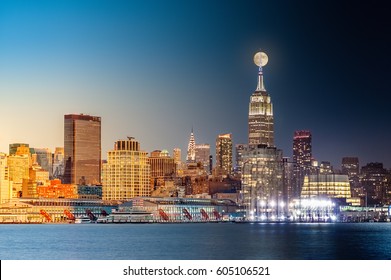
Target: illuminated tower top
(260, 119)
(191, 149)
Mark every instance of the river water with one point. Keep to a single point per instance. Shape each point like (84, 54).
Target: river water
(206, 241)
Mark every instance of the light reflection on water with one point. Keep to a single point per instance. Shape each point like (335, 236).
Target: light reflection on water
(196, 241)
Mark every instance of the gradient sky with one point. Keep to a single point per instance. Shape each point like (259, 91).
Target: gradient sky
(154, 69)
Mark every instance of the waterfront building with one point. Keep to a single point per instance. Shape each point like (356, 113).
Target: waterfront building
(202, 154)
(190, 158)
(326, 186)
(53, 210)
(127, 173)
(5, 183)
(262, 181)
(260, 118)
(175, 209)
(163, 168)
(58, 163)
(224, 153)
(45, 159)
(82, 149)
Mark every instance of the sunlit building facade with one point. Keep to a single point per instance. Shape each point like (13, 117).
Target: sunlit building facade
(37, 177)
(82, 148)
(14, 147)
(5, 183)
(127, 173)
(18, 170)
(260, 118)
(224, 152)
(57, 190)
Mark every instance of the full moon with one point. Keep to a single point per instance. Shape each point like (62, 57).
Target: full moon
(260, 59)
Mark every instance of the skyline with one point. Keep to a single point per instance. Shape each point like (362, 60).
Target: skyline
(181, 65)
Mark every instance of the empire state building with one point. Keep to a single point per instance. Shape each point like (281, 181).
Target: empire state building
(260, 116)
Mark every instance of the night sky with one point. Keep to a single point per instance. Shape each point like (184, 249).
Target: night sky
(155, 69)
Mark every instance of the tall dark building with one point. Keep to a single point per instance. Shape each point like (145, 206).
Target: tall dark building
(239, 148)
(375, 182)
(302, 147)
(351, 167)
(82, 149)
(260, 116)
(302, 155)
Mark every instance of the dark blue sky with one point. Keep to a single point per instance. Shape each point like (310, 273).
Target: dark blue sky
(154, 69)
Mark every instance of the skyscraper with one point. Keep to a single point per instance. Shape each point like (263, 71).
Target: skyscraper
(127, 172)
(224, 152)
(82, 149)
(58, 163)
(18, 170)
(262, 180)
(260, 117)
(202, 153)
(302, 156)
(177, 155)
(302, 147)
(44, 159)
(163, 167)
(351, 167)
(190, 158)
(239, 148)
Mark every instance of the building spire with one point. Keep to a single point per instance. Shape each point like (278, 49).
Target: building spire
(260, 86)
(191, 148)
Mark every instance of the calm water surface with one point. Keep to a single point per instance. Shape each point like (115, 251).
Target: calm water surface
(196, 241)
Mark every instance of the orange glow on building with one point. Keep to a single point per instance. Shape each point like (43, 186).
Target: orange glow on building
(57, 190)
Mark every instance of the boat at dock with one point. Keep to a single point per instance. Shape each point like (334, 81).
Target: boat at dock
(127, 217)
(83, 220)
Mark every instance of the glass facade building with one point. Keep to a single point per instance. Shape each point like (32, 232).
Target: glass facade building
(82, 149)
